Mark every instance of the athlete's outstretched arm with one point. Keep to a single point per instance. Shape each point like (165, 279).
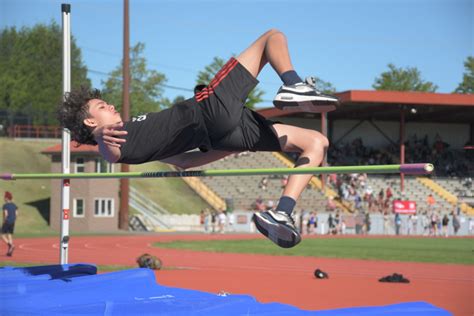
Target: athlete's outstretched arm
(196, 158)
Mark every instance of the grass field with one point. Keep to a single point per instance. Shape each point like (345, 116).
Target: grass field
(100, 268)
(164, 191)
(434, 250)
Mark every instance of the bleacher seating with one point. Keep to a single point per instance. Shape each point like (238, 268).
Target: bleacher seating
(245, 190)
(413, 190)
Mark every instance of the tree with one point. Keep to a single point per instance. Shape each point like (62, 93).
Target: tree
(399, 79)
(145, 85)
(205, 77)
(31, 71)
(467, 84)
(325, 86)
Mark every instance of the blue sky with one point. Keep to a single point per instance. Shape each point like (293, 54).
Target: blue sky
(345, 42)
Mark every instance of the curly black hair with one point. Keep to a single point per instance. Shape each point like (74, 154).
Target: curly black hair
(74, 110)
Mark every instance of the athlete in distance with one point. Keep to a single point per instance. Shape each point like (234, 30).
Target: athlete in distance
(216, 122)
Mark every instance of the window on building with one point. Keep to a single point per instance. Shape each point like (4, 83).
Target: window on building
(104, 207)
(102, 166)
(78, 207)
(80, 165)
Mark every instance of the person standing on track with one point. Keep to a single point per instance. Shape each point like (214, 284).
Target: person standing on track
(10, 214)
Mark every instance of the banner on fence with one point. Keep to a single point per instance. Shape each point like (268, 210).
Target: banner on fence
(404, 207)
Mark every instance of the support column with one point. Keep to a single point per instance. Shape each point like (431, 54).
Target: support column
(402, 148)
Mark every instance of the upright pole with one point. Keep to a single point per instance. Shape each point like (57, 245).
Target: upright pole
(402, 148)
(66, 135)
(124, 183)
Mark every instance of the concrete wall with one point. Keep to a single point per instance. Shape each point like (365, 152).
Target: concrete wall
(242, 223)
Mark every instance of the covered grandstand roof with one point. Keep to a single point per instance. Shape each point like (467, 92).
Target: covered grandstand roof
(386, 105)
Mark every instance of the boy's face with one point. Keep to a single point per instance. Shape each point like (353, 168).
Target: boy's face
(101, 113)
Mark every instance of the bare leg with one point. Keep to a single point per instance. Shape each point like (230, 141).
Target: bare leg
(5, 239)
(271, 47)
(312, 147)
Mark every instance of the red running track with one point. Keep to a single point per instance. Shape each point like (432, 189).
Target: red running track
(284, 279)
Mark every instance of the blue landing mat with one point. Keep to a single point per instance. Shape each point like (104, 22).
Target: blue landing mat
(77, 289)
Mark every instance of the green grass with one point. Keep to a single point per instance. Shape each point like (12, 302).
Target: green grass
(171, 193)
(31, 196)
(100, 268)
(434, 250)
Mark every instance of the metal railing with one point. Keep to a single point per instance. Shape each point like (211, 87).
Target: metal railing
(149, 210)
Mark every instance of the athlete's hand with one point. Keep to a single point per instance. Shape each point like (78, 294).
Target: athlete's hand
(110, 134)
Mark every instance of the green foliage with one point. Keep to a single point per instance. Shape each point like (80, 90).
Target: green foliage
(145, 85)
(467, 84)
(399, 79)
(167, 103)
(31, 71)
(205, 76)
(324, 86)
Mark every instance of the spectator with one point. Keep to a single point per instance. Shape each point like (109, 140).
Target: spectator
(367, 223)
(337, 223)
(388, 194)
(202, 217)
(10, 214)
(359, 223)
(409, 224)
(213, 221)
(456, 223)
(445, 223)
(434, 224)
(222, 220)
(398, 223)
(471, 225)
(386, 223)
(425, 222)
(230, 221)
(414, 224)
(431, 202)
(343, 227)
(312, 223)
(331, 225)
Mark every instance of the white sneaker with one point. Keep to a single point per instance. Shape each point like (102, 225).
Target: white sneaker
(277, 226)
(305, 94)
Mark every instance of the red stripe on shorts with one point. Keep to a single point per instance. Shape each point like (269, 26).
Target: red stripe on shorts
(225, 70)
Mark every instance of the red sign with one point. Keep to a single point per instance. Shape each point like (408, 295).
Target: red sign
(404, 207)
(66, 214)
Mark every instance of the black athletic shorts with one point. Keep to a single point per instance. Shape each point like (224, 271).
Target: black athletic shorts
(8, 228)
(230, 124)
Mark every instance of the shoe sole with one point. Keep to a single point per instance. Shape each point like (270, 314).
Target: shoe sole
(280, 234)
(310, 107)
(285, 101)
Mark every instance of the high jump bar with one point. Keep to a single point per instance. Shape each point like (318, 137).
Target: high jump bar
(417, 168)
